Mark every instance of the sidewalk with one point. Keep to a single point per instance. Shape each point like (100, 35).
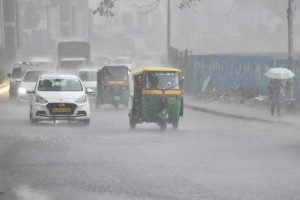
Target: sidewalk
(240, 111)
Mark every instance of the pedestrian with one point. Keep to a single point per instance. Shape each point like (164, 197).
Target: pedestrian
(274, 88)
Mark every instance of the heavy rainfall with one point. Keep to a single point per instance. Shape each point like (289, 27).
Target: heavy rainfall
(149, 99)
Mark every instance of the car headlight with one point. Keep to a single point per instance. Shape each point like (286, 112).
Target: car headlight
(81, 100)
(40, 100)
(22, 91)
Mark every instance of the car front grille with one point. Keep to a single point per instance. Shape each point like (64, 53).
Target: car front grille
(61, 108)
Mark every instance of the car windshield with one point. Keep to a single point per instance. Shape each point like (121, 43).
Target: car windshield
(32, 76)
(60, 84)
(88, 75)
(17, 72)
(116, 73)
(161, 80)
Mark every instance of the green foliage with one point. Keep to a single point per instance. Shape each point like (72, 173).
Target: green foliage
(184, 4)
(105, 7)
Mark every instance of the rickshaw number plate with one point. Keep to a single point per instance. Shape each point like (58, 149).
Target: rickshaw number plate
(171, 100)
(61, 110)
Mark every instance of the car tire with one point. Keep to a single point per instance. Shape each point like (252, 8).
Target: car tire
(86, 122)
(32, 121)
(12, 95)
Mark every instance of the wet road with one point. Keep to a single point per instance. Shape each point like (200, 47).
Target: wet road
(209, 157)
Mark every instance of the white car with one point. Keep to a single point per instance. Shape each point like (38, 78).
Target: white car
(28, 83)
(59, 97)
(89, 80)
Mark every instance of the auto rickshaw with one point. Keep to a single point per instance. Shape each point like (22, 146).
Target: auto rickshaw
(157, 97)
(113, 86)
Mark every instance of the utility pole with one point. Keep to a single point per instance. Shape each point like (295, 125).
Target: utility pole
(291, 100)
(169, 33)
(291, 34)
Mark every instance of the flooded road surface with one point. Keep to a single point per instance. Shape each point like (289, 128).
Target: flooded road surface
(209, 157)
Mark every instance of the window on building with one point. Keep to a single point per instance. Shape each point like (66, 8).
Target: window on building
(142, 20)
(127, 19)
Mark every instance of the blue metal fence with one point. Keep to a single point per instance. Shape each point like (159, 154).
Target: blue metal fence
(231, 71)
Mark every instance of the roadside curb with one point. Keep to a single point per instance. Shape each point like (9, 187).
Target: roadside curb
(234, 116)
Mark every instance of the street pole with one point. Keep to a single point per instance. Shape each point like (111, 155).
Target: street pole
(291, 100)
(290, 34)
(169, 33)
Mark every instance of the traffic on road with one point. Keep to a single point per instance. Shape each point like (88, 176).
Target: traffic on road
(149, 100)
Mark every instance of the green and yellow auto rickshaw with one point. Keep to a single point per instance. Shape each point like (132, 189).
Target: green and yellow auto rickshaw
(113, 86)
(157, 97)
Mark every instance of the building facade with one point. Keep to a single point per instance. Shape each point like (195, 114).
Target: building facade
(8, 30)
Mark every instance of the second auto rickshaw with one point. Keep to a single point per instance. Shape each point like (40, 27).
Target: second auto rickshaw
(157, 97)
(113, 86)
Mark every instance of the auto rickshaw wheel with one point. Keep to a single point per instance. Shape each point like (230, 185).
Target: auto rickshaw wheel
(116, 105)
(132, 123)
(175, 125)
(163, 126)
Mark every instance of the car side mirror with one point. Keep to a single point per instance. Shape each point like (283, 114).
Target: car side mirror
(88, 91)
(30, 92)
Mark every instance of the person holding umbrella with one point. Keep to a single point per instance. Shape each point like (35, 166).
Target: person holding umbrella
(277, 75)
(274, 88)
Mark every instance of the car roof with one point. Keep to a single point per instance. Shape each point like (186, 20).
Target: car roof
(73, 59)
(157, 69)
(87, 70)
(37, 70)
(57, 76)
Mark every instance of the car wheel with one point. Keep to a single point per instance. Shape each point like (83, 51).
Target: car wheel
(12, 95)
(86, 122)
(32, 121)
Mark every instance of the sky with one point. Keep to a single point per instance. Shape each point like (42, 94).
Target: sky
(231, 26)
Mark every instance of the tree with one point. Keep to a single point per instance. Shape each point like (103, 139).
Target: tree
(105, 7)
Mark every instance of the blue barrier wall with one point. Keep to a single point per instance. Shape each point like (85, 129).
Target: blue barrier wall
(228, 72)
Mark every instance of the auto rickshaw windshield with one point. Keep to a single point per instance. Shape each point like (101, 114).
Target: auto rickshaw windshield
(115, 74)
(162, 81)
